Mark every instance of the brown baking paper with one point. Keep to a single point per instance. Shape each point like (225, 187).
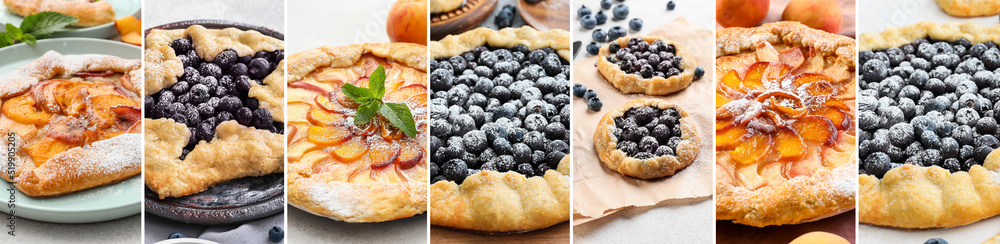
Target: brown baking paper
(599, 191)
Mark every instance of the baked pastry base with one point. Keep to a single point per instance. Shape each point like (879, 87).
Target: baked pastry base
(88, 13)
(606, 144)
(969, 8)
(443, 6)
(633, 83)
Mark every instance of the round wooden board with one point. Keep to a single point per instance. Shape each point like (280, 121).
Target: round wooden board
(546, 14)
(462, 19)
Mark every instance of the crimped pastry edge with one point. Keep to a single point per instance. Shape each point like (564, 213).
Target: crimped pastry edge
(454, 45)
(895, 37)
(734, 40)
(606, 144)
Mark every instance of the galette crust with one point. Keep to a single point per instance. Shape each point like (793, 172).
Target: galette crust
(443, 6)
(606, 144)
(633, 83)
(454, 45)
(324, 194)
(89, 13)
(801, 199)
(895, 37)
(969, 8)
(503, 202)
(836, 48)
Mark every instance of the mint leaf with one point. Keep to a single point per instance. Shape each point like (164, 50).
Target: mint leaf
(399, 115)
(28, 38)
(13, 31)
(5, 40)
(365, 113)
(358, 94)
(376, 82)
(45, 23)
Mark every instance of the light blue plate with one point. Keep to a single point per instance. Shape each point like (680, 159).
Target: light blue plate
(94, 205)
(122, 8)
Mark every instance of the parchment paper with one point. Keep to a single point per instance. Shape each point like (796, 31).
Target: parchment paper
(599, 191)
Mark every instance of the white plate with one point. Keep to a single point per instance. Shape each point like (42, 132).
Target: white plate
(122, 8)
(186, 241)
(94, 205)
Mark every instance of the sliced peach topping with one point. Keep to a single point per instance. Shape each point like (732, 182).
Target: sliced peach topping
(324, 118)
(23, 110)
(410, 154)
(324, 102)
(839, 118)
(382, 152)
(45, 149)
(752, 78)
(816, 129)
(729, 138)
(351, 150)
(100, 114)
(731, 79)
(789, 145)
(753, 149)
(776, 71)
(721, 99)
(344, 100)
(407, 92)
(809, 78)
(328, 135)
(723, 123)
(792, 57)
(748, 177)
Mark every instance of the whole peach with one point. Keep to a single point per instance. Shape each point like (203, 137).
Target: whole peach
(407, 22)
(819, 14)
(741, 13)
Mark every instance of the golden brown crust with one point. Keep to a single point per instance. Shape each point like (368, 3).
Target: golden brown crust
(969, 8)
(502, 202)
(994, 240)
(606, 144)
(442, 6)
(89, 13)
(895, 37)
(633, 83)
(736, 40)
(80, 168)
(454, 45)
(328, 194)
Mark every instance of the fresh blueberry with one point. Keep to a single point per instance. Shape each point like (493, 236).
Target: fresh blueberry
(275, 234)
(620, 11)
(594, 104)
(583, 11)
(593, 48)
(601, 17)
(259, 68)
(599, 35)
(635, 24)
(176, 235)
(671, 5)
(588, 22)
(606, 4)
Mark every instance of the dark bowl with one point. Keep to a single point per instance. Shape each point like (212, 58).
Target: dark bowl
(232, 202)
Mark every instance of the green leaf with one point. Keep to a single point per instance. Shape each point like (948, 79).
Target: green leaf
(365, 113)
(399, 115)
(28, 38)
(45, 23)
(358, 94)
(13, 31)
(376, 82)
(5, 40)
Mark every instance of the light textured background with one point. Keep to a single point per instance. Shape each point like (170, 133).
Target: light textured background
(652, 12)
(124, 230)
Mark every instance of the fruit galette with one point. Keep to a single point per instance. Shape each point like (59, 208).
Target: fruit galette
(969, 8)
(646, 64)
(928, 119)
(352, 170)
(443, 6)
(499, 130)
(646, 138)
(785, 151)
(73, 122)
(87, 12)
(214, 108)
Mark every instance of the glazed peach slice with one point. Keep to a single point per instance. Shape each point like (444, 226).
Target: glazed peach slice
(322, 117)
(724, 123)
(731, 80)
(23, 110)
(328, 135)
(410, 154)
(816, 129)
(406, 93)
(99, 111)
(382, 152)
(807, 78)
(324, 102)
(721, 99)
(351, 150)
(753, 149)
(45, 149)
(789, 145)
(752, 79)
(749, 177)
(729, 138)
(838, 117)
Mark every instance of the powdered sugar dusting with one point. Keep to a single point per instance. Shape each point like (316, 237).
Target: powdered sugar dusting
(54, 65)
(341, 200)
(105, 157)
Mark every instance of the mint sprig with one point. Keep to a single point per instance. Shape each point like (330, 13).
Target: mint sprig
(34, 27)
(370, 103)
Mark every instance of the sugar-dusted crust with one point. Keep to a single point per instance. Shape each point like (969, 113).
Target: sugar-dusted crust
(163, 67)
(969, 8)
(503, 202)
(235, 152)
(913, 197)
(837, 48)
(895, 37)
(53, 65)
(442, 6)
(88, 12)
(80, 168)
(606, 144)
(633, 83)
(454, 45)
(994, 240)
(327, 194)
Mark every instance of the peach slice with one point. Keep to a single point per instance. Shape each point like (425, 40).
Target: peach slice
(126, 27)
(838, 117)
(775, 72)
(99, 111)
(382, 153)
(323, 118)
(351, 150)
(69, 97)
(403, 93)
(45, 149)
(411, 154)
(752, 78)
(324, 102)
(789, 145)
(23, 110)
(731, 79)
(749, 177)
(808, 78)
(327, 135)
(792, 57)
(753, 149)
(307, 86)
(344, 100)
(721, 99)
(724, 123)
(729, 138)
(68, 129)
(816, 129)
(774, 117)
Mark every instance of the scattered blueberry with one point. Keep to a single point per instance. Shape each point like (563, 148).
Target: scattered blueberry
(620, 11)
(275, 234)
(635, 24)
(593, 47)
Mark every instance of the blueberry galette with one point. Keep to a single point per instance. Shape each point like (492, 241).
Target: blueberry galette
(645, 64)
(213, 108)
(357, 172)
(73, 123)
(87, 12)
(499, 130)
(646, 138)
(929, 126)
(785, 144)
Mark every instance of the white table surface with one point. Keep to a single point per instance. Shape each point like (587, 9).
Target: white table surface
(653, 14)
(304, 227)
(124, 230)
(875, 16)
(267, 13)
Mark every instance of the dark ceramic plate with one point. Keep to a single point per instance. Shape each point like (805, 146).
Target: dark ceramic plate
(236, 201)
